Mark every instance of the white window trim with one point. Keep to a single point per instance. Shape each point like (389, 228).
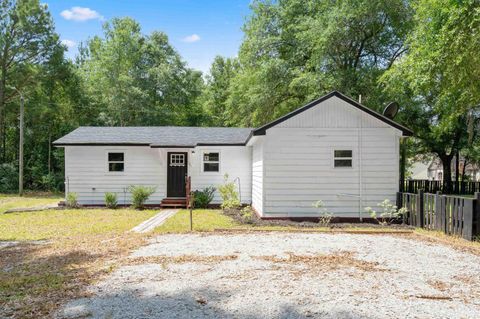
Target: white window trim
(219, 162)
(340, 158)
(107, 162)
(178, 156)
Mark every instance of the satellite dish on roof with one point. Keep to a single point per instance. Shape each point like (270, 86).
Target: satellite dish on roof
(391, 110)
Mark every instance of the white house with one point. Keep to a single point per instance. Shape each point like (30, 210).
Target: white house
(332, 149)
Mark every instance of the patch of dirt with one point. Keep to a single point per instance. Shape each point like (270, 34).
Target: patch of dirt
(343, 259)
(179, 259)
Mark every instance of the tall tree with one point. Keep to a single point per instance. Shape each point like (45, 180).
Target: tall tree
(296, 50)
(216, 92)
(139, 80)
(27, 39)
(438, 82)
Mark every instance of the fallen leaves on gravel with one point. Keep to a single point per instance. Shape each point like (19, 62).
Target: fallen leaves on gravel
(179, 259)
(343, 259)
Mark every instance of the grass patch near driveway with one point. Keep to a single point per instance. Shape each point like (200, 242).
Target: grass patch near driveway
(81, 247)
(455, 242)
(55, 224)
(203, 220)
(10, 201)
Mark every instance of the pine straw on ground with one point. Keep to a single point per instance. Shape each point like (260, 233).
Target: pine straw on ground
(35, 279)
(178, 259)
(342, 259)
(437, 237)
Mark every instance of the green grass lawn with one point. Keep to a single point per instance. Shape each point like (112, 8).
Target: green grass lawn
(52, 224)
(9, 201)
(203, 220)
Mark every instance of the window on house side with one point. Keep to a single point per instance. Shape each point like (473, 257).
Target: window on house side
(342, 158)
(211, 162)
(116, 162)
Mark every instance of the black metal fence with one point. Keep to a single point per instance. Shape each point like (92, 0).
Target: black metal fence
(458, 188)
(453, 215)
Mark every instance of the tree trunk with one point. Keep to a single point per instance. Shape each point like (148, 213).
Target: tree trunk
(49, 153)
(457, 166)
(447, 172)
(2, 117)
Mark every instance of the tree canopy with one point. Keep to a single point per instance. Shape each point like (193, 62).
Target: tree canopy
(438, 80)
(420, 53)
(137, 79)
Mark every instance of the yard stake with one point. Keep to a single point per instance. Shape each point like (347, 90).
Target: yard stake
(190, 205)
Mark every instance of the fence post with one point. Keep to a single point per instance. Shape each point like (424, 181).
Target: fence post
(438, 208)
(420, 208)
(476, 215)
(399, 200)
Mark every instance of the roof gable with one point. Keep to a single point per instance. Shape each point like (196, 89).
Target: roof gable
(262, 130)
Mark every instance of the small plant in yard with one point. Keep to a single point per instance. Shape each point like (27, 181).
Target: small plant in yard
(203, 197)
(140, 194)
(229, 194)
(247, 214)
(390, 213)
(325, 216)
(111, 200)
(71, 200)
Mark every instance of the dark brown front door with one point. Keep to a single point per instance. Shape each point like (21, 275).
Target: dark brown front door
(176, 174)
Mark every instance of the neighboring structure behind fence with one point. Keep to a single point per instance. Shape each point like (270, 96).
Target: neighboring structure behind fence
(460, 187)
(451, 214)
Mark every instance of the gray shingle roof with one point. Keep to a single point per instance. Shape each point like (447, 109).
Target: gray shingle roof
(160, 136)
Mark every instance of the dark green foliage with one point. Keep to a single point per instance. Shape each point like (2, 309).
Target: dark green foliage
(203, 197)
(8, 178)
(297, 50)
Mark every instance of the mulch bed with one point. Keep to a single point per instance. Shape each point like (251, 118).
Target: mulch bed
(335, 224)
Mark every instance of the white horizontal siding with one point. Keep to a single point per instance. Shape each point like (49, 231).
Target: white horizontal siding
(299, 162)
(234, 161)
(257, 176)
(87, 174)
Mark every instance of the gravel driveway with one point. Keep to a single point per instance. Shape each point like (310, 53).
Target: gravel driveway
(287, 275)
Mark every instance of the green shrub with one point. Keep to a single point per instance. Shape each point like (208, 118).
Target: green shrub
(8, 178)
(325, 217)
(111, 200)
(229, 194)
(72, 200)
(204, 197)
(140, 194)
(390, 213)
(248, 215)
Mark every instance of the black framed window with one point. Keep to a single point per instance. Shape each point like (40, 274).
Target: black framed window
(116, 162)
(343, 158)
(211, 162)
